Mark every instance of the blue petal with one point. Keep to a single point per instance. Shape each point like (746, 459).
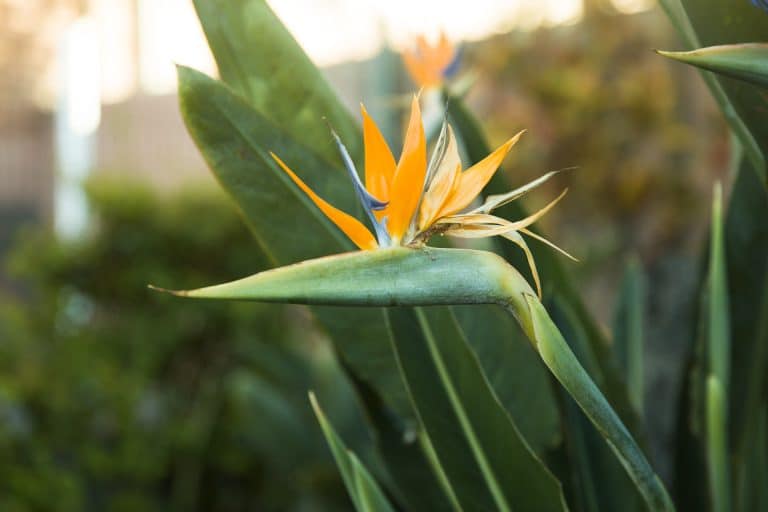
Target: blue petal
(763, 4)
(370, 203)
(453, 67)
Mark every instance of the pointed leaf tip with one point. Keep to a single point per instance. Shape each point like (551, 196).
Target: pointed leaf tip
(747, 61)
(178, 293)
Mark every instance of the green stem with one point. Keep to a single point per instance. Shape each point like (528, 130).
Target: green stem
(563, 364)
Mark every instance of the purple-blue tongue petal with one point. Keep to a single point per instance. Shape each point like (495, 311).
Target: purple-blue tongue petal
(370, 203)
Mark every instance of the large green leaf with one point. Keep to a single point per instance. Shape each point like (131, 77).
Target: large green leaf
(511, 366)
(259, 59)
(752, 493)
(716, 22)
(486, 462)
(746, 247)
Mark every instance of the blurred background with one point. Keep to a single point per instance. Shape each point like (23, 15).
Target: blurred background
(114, 398)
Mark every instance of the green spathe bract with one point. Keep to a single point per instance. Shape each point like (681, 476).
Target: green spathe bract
(398, 276)
(426, 276)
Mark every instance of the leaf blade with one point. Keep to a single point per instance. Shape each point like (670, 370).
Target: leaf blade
(628, 331)
(259, 59)
(441, 373)
(363, 490)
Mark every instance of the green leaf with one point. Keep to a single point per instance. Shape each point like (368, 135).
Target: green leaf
(369, 495)
(746, 260)
(365, 493)
(628, 331)
(400, 446)
(746, 247)
(484, 458)
(566, 368)
(752, 491)
(718, 331)
(717, 446)
(259, 59)
(718, 351)
(510, 365)
(746, 61)
(704, 23)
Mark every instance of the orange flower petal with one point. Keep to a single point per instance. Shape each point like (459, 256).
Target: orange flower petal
(423, 47)
(440, 189)
(476, 177)
(379, 162)
(420, 72)
(408, 182)
(351, 227)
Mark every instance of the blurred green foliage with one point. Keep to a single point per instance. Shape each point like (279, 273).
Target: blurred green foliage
(116, 398)
(645, 135)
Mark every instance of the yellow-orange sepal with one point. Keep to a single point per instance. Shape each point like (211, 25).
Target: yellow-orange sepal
(379, 163)
(408, 182)
(350, 226)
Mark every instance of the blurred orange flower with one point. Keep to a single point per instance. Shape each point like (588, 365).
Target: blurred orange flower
(429, 65)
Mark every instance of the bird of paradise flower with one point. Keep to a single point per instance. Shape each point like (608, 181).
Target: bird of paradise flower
(429, 65)
(411, 200)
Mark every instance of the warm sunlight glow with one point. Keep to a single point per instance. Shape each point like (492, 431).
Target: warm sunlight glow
(137, 48)
(369, 23)
(633, 6)
(161, 45)
(117, 39)
(80, 94)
